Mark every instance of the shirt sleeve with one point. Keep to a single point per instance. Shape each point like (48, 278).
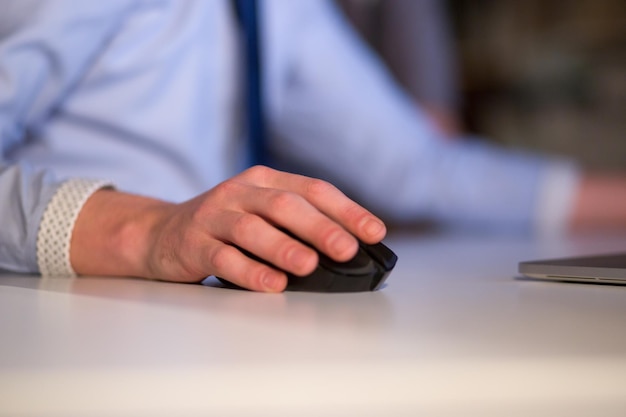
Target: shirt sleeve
(336, 113)
(38, 213)
(45, 48)
(57, 224)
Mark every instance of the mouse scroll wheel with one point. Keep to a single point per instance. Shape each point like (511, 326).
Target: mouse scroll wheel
(361, 264)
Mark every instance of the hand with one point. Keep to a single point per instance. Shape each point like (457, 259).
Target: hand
(600, 203)
(122, 234)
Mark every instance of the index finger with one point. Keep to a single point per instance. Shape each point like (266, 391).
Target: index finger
(329, 200)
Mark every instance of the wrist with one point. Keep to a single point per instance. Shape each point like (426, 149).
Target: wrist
(113, 234)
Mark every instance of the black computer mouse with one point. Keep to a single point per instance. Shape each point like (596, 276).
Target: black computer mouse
(367, 271)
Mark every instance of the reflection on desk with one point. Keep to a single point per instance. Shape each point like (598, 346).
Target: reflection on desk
(452, 334)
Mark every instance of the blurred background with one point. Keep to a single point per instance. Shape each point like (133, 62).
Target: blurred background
(547, 75)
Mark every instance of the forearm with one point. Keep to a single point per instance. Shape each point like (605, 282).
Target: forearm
(122, 234)
(45, 49)
(373, 142)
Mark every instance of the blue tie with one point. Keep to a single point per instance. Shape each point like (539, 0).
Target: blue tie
(246, 11)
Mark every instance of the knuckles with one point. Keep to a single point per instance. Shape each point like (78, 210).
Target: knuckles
(244, 225)
(315, 188)
(227, 189)
(354, 213)
(279, 201)
(221, 257)
(258, 174)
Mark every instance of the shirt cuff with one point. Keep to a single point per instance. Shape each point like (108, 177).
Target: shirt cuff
(556, 199)
(57, 224)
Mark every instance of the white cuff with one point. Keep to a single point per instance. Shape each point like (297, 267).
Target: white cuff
(57, 224)
(556, 198)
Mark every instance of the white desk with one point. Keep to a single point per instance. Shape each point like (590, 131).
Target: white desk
(452, 334)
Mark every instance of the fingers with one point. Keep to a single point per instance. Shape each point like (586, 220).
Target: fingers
(294, 213)
(325, 198)
(215, 233)
(228, 262)
(256, 235)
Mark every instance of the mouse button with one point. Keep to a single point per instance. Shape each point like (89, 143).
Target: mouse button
(319, 280)
(361, 264)
(382, 255)
(355, 283)
(323, 280)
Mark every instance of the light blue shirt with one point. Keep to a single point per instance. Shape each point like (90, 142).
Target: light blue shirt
(146, 93)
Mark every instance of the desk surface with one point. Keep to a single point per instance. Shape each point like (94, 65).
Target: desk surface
(452, 334)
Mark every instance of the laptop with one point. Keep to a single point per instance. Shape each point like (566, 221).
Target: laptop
(609, 269)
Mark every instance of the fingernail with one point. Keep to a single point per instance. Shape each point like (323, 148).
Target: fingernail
(342, 243)
(373, 227)
(300, 258)
(272, 283)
